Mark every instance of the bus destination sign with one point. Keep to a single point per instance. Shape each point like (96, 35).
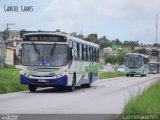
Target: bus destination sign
(44, 38)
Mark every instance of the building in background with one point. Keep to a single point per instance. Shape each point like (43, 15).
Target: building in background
(12, 41)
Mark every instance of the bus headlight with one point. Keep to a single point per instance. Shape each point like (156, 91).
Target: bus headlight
(59, 75)
(139, 70)
(62, 73)
(22, 72)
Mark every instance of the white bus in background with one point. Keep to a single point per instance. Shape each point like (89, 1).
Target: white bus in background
(57, 60)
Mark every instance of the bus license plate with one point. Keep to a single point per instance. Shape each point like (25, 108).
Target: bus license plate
(42, 81)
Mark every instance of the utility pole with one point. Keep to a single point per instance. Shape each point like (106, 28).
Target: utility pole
(5, 42)
(7, 29)
(156, 28)
(2, 56)
(81, 32)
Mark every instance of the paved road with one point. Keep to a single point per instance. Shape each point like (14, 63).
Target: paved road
(105, 96)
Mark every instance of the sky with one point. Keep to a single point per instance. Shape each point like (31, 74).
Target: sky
(122, 19)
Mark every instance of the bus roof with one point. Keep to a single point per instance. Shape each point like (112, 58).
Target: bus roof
(154, 62)
(83, 41)
(68, 36)
(137, 54)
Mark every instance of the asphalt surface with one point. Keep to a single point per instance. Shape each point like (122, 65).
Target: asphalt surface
(104, 97)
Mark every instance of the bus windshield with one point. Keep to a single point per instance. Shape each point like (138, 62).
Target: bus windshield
(133, 61)
(44, 54)
(152, 67)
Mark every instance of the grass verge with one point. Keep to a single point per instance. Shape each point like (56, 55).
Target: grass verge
(145, 103)
(104, 75)
(9, 80)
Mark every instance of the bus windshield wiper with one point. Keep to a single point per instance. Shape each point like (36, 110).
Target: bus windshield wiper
(53, 48)
(35, 48)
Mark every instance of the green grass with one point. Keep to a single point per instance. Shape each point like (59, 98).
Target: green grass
(104, 75)
(146, 103)
(9, 80)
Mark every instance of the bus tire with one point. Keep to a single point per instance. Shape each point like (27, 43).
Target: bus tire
(127, 75)
(90, 81)
(32, 88)
(132, 75)
(73, 86)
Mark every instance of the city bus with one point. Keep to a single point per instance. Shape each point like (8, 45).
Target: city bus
(154, 67)
(136, 64)
(55, 59)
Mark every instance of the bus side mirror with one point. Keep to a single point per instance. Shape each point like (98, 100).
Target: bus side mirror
(72, 52)
(19, 51)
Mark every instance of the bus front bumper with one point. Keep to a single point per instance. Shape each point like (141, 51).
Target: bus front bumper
(61, 81)
(134, 72)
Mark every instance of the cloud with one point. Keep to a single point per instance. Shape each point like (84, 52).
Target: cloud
(123, 19)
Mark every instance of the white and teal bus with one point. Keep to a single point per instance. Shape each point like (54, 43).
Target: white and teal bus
(51, 59)
(136, 64)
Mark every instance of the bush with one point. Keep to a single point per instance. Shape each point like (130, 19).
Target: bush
(110, 59)
(119, 58)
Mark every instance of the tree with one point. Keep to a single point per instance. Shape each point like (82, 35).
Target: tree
(80, 36)
(131, 44)
(120, 57)
(118, 42)
(125, 43)
(92, 38)
(103, 42)
(142, 51)
(5, 36)
(156, 45)
(110, 59)
(73, 34)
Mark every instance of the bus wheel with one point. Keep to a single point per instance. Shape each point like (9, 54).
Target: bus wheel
(72, 87)
(32, 88)
(127, 75)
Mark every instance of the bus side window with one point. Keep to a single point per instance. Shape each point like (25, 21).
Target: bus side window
(97, 55)
(75, 51)
(94, 56)
(89, 51)
(145, 60)
(91, 54)
(70, 45)
(80, 52)
(86, 52)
